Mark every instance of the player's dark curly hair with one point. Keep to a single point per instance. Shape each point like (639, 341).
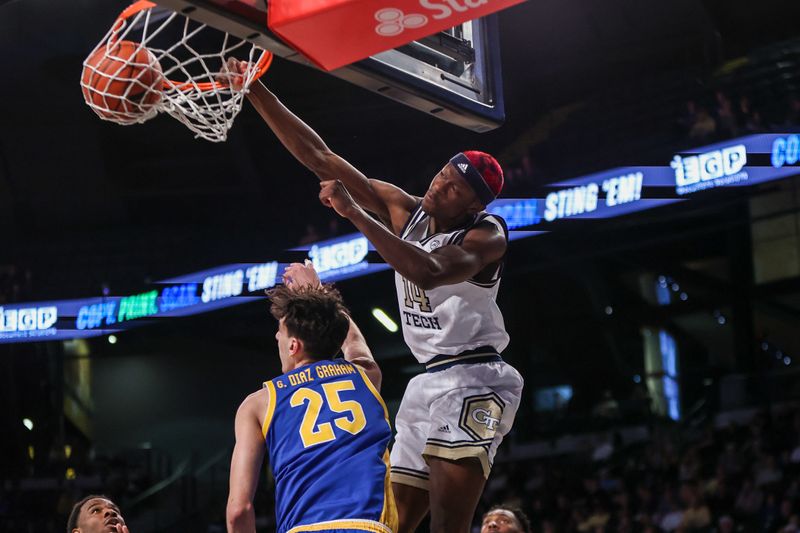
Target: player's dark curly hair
(521, 517)
(316, 316)
(72, 521)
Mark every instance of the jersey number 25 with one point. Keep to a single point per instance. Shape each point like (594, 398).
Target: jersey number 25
(312, 433)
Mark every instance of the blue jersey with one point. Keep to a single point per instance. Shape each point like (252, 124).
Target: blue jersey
(327, 432)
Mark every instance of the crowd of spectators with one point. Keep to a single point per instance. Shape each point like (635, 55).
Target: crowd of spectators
(725, 117)
(714, 117)
(736, 478)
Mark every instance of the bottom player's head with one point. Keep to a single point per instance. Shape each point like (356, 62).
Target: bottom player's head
(466, 185)
(312, 323)
(505, 519)
(95, 514)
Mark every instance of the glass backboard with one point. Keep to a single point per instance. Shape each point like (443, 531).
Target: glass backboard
(454, 75)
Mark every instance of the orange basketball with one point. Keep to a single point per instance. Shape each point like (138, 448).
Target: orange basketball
(122, 81)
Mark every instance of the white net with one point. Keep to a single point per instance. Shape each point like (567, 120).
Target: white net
(154, 60)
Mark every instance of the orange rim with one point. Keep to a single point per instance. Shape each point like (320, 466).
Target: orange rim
(262, 65)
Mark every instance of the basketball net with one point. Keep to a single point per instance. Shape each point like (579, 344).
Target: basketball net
(193, 59)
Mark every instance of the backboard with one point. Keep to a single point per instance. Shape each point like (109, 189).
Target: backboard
(454, 75)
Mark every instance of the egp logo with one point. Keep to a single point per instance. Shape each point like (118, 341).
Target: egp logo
(711, 169)
(27, 322)
(348, 253)
(785, 151)
(393, 21)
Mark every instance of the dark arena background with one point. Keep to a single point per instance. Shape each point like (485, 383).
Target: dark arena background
(654, 314)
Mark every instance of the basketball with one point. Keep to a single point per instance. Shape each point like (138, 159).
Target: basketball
(122, 81)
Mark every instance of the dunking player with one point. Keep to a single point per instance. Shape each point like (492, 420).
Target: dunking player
(447, 254)
(322, 422)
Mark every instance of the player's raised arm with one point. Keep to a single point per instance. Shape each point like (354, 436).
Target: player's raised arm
(356, 351)
(447, 265)
(248, 454)
(390, 203)
(355, 348)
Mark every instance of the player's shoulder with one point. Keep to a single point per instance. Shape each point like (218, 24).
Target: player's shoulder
(255, 402)
(489, 226)
(490, 219)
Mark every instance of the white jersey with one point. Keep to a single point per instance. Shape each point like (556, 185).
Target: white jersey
(454, 318)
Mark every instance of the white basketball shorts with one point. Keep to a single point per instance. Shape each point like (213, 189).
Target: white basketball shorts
(460, 412)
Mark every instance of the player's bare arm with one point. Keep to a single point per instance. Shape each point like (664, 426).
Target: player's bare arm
(248, 455)
(389, 203)
(356, 351)
(482, 246)
(355, 348)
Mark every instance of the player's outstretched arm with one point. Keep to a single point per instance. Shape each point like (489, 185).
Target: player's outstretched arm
(248, 454)
(447, 265)
(356, 351)
(390, 203)
(355, 348)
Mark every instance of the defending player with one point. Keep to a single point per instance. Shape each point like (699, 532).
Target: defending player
(447, 253)
(322, 422)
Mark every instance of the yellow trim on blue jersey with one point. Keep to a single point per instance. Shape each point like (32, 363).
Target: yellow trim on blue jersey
(271, 401)
(389, 513)
(374, 391)
(360, 525)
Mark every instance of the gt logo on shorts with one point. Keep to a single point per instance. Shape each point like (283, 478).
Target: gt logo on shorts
(484, 416)
(480, 415)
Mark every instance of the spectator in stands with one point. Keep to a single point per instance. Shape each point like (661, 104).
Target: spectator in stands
(598, 517)
(748, 119)
(689, 467)
(696, 515)
(788, 516)
(769, 517)
(670, 516)
(767, 473)
(704, 126)
(96, 514)
(608, 407)
(731, 460)
(749, 499)
(726, 118)
(725, 524)
(505, 519)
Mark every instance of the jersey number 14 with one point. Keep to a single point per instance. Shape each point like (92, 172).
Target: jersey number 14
(416, 295)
